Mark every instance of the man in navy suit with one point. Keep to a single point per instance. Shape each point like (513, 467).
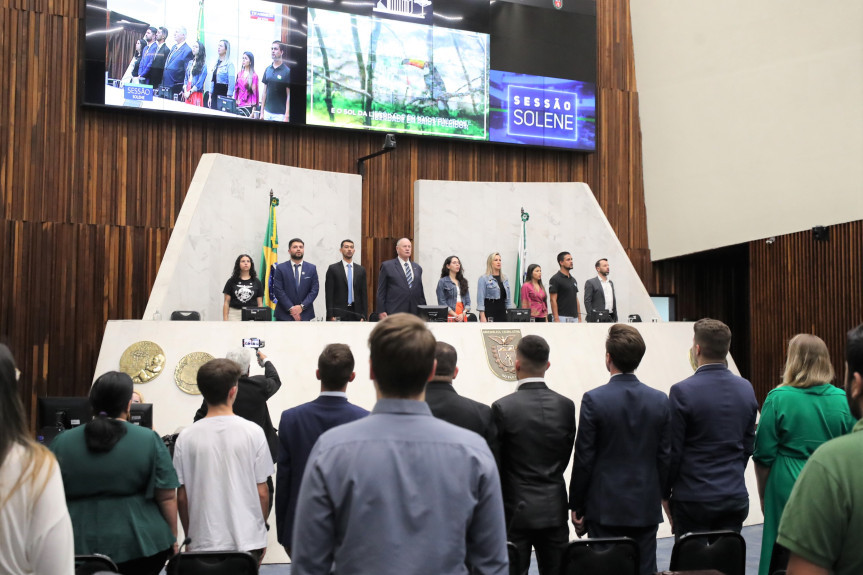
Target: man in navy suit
(712, 437)
(400, 283)
(302, 425)
(295, 286)
(175, 64)
(622, 452)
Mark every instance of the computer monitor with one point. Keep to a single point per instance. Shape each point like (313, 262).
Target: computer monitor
(142, 414)
(518, 315)
(257, 314)
(63, 412)
(226, 104)
(433, 312)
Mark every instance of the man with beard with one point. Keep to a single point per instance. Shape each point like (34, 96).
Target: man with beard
(296, 286)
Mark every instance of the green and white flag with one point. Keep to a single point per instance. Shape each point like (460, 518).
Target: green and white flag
(521, 263)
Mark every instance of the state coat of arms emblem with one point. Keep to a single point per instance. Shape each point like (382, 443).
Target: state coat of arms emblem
(500, 346)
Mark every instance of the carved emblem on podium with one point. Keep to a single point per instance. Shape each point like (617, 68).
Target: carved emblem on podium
(186, 372)
(143, 361)
(500, 346)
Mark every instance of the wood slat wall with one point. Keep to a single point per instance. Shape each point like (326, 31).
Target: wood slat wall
(89, 197)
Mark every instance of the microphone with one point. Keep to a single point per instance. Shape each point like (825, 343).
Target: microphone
(518, 509)
(350, 313)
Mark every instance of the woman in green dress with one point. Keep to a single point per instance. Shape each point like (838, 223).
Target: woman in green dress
(803, 412)
(120, 483)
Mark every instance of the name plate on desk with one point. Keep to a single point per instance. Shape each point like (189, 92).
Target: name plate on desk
(138, 92)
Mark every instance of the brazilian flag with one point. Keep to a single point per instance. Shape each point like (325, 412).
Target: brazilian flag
(270, 257)
(201, 21)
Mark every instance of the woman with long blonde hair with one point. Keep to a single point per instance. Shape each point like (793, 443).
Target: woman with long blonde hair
(493, 296)
(35, 529)
(800, 414)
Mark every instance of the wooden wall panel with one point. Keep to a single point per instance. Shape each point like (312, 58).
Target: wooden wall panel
(89, 196)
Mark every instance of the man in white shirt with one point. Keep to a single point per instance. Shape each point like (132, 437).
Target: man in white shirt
(223, 462)
(599, 300)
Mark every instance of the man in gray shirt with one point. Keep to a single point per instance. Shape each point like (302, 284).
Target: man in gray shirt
(400, 492)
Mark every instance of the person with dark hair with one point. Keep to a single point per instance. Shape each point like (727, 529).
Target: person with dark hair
(533, 296)
(400, 283)
(799, 415)
(223, 462)
(400, 490)
(712, 437)
(452, 289)
(296, 286)
(622, 421)
(345, 287)
(243, 289)
(276, 89)
(445, 402)
(301, 426)
(120, 484)
(563, 292)
(147, 55)
(222, 79)
(823, 519)
(130, 76)
(600, 303)
(536, 432)
(157, 68)
(35, 529)
(246, 84)
(196, 74)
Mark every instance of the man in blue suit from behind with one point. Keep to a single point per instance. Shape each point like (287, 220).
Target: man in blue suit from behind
(400, 283)
(302, 425)
(295, 286)
(622, 452)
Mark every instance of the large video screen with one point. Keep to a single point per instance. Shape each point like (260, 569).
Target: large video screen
(508, 71)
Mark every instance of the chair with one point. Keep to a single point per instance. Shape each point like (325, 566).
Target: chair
(185, 316)
(96, 563)
(212, 563)
(723, 551)
(779, 559)
(514, 558)
(611, 556)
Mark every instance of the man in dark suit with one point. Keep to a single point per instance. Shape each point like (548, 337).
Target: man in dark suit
(295, 286)
(597, 293)
(445, 402)
(157, 69)
(345, 287)
(175, 64)
(400, 283)
(712, 438)
(536, 429)
(622, 452)
(302, 425)
(252, 395)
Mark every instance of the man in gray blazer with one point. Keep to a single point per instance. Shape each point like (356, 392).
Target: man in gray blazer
(597, 293)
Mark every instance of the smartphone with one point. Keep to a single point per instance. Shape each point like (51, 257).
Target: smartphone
(253, 342)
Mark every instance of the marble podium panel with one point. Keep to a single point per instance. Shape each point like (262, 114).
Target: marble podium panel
(577, 365)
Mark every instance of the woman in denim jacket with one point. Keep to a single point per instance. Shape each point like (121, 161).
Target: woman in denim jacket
(222, 78)
(493, 294)
(452, 290)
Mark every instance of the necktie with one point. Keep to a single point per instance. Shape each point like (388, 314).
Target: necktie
(171, 55)
(350, 284)
(297, 274)
(409, 275)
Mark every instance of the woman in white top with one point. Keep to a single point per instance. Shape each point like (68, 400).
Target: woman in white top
(35, 529)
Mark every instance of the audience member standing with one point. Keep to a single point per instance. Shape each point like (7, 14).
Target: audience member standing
(246, 85)
(157, 68)
(220, 82)
(712, 435)
(797, 417)
(823, 518)
(493, 296)
(452, 290)
(302, 425)
(622, 452)
(400, 283)
(243, 289)
(400, 492)
(536, 430)
(223, 463)
(175, 64)
(196, 74)
(35, 529)
(445, 402)
(276, 89)
(600, 302)
(563, 292)
(148, 55)
(120, 484)
(296, 286)
(345, 287)
(533, 296)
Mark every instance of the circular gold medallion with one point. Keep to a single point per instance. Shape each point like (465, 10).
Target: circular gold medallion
(143, 361)
(186, 372)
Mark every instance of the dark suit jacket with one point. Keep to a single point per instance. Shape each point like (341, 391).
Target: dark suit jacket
(594, 298)
(251, 403)
(445, 403)
(712, 435)
(394, 295)
(535, 430)
(622, 454)
(336, 290)
(288, 295)
(175, 66)
(298, 431)
(157, 69)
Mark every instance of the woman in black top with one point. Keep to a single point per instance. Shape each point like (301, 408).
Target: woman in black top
(243, 289)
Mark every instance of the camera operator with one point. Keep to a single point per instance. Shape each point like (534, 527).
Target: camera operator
(252, 395)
